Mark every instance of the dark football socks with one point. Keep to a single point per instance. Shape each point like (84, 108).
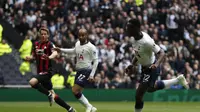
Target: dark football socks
(41, 89)
(62, 103)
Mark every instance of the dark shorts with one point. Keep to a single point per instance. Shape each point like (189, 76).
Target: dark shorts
(45, 80)
(82, 76)
(149, 76)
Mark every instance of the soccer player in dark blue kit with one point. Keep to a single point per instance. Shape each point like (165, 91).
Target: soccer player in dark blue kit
(145, 54)
(43, 53)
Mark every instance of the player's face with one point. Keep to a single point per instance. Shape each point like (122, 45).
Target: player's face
(82, 35)
(131, 31)
(44, 35)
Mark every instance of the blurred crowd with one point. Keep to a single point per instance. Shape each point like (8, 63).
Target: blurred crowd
(173, 24)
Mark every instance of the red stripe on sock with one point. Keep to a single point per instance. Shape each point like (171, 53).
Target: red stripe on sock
(56, 97)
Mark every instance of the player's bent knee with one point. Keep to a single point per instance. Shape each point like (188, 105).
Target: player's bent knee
(159, 85)
(75, 91)
(33, 82)
(52, 91)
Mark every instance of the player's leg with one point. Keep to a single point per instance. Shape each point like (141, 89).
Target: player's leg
(153, 84)
(35, 83)
(166, 84)
(139, 96)
(38, 83)
(80, 81)
(56, 98)
(77, 91)
(145, 83)
(178, 80)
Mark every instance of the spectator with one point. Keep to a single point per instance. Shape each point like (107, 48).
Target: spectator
(23, 27)
(58, 81)
(4, 48)
(71, 77)
(197, 86)
(25, 50)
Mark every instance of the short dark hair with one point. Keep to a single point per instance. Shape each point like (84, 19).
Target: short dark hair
(133, 23)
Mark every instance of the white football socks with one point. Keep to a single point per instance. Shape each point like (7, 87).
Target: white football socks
(170, 82)
(84, 101)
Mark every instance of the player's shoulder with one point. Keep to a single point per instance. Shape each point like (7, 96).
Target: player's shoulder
(51, 44)
(77, 43)
(147, 38)
(36, 44)
(92, 46)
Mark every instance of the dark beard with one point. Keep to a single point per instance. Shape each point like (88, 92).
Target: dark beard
(83, 42)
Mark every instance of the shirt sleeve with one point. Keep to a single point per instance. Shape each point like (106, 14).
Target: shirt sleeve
(51, 46)
(154, 47)
(94, 53)
(70, 51)
(94, 56)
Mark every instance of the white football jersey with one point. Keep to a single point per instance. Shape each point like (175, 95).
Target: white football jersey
(145, 49)
(85, 54)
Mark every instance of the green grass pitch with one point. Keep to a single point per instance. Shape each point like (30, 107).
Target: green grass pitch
(102, 107)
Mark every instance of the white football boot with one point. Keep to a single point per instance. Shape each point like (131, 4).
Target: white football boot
(182, 81)
(91, 109)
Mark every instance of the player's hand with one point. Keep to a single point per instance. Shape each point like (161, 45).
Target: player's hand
(57, 49)
(28, 58)
(91, 79)
(45, 57)
(129, 70)
(153, 66)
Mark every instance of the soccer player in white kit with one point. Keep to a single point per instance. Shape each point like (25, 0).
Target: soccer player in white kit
(86, 53)
(145, 54)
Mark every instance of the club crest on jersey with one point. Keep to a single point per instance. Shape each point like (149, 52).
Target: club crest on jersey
(39, 51)
(80, 56)
(45, 47)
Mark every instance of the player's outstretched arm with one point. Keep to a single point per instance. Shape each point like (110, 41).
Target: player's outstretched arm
(53, 55)
(65, 50)
(70, 51)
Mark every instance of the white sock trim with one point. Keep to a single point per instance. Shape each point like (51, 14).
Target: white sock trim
(70, 109)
